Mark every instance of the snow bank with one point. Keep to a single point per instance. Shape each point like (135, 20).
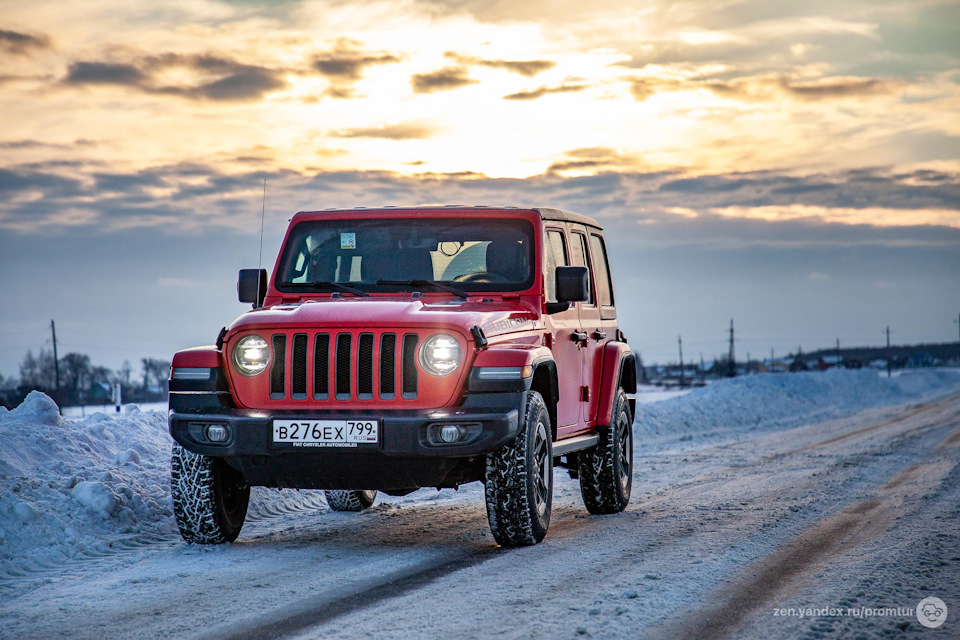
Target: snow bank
(786, 400)
(71, 488)
(93, 486)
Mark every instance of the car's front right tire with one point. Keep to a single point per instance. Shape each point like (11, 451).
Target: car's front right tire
(210, 498)
(519, 480)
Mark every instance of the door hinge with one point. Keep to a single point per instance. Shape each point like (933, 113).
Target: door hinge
(584, 394)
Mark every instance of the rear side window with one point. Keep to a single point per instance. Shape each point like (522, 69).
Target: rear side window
(554, 255)
(602, 271)
(581, 257)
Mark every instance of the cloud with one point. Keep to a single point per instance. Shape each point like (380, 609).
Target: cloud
(98, 73)
(186, 197)
(20, 44)
(770, 88)
(405, 131)
(441, 80)
(39, 144)
(542, 91)
(528, 68)
(348, 65)
(215, 78)
(591, 160)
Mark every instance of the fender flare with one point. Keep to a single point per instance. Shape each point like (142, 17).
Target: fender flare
(619, 370)
(544, 375)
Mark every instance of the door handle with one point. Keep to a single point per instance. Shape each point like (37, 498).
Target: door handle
(599, 335)
(579, 336)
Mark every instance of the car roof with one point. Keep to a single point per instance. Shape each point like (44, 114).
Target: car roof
(545, 213)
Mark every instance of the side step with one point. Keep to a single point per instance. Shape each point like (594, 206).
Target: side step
(563, 447)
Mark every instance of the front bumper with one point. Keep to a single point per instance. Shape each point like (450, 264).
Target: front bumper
(402, 433)
(405, 458)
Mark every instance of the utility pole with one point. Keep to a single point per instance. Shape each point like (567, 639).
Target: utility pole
(680, 345)
(958, 333)
(889, 365)
(733, 363)
(839, 361)
(56, 360)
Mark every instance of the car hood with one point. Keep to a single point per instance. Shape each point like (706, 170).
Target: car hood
(494, 318)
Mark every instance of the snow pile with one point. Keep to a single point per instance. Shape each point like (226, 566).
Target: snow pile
(787, 400)
(71, 488)
(92, 486)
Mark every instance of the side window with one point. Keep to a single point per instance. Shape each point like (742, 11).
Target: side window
(581, 257)
(554, 255)
(604, 288)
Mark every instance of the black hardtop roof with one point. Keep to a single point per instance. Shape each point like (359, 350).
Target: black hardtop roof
(545, 212)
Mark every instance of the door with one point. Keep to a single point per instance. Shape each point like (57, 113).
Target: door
(561, 327)
(590, 324)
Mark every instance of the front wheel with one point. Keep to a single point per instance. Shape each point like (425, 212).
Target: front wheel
(210, 498)
(606, 470)
(519, 480)
(350, 500)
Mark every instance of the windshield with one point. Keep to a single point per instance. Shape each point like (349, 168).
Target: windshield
(470, 254)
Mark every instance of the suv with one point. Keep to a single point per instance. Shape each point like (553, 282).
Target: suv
(400, 348)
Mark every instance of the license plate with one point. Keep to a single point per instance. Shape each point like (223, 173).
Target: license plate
(326, 433)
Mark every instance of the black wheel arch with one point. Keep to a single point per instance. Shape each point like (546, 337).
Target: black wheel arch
(546, 383)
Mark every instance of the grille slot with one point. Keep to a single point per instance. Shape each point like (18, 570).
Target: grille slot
(278, 372)
(388, 368)
(365, 366)
(321, 367)
(298, 379)
(343, 366)
(409, 388)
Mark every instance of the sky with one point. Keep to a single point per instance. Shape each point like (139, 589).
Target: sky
(794, 166)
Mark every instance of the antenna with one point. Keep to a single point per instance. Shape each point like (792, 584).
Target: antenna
(263, 211)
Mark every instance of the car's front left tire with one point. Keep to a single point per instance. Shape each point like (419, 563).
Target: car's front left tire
(210, 498)
(519, 480)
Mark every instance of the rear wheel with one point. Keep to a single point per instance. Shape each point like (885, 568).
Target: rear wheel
(519, 480)
(606, 470)
(340, 500)
(210, 498)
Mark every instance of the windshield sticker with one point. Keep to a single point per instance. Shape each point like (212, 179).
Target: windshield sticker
(348, 240)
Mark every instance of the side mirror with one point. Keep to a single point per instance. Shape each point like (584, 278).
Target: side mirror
(252, 286)
(573, 284)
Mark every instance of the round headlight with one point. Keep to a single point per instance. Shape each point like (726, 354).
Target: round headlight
(440, 354)
(251, 355)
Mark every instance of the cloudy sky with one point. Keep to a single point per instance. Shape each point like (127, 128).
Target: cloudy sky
(792, 165)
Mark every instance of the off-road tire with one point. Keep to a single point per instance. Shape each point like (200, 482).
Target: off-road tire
(210, 498)
(519, 480)
(350, 500)
(606, 470)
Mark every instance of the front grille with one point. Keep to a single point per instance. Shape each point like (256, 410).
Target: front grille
(362, 366)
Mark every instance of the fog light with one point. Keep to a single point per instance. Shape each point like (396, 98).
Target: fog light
(217, 433)
(450, 433)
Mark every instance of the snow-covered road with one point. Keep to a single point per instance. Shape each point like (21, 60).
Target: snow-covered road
(754, 500)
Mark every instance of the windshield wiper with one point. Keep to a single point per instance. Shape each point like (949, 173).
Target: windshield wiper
(427, 283)
(336, 286)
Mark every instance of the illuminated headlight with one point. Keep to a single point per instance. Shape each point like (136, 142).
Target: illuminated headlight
(251, 355)
(440, 354)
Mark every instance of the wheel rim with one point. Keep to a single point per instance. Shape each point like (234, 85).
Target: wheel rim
(625, 450)
(542, 465)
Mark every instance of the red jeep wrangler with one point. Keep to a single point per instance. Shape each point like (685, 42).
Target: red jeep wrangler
(401, 348)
